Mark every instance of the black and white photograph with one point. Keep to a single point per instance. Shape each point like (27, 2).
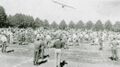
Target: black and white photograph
(59, 33)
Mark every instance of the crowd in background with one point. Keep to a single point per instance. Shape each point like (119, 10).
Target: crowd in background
(72, 37)
(50, 38)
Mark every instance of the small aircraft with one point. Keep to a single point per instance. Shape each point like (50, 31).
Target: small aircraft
(63, 5)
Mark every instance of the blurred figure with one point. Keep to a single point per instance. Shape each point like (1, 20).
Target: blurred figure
(114, 49)
(100, 43)
(3, 39)
(58, 45)
(38, 50)
(42, 48)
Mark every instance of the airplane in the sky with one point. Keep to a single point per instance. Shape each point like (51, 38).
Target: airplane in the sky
(63, 5)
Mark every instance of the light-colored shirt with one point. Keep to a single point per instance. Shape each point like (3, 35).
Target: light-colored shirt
(3, 38)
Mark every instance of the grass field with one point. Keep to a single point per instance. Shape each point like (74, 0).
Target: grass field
(84, 55)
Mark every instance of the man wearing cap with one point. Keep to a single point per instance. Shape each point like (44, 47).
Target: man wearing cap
(3, 39)
(58, 45)
(114, 49)
(100, 43)
(38, 50)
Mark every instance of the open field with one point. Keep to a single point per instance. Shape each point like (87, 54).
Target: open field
(84, 55)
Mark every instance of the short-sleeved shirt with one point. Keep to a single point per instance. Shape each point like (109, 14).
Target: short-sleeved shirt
(39, 45)
(3, 38)
(114, 44)
(58, 44)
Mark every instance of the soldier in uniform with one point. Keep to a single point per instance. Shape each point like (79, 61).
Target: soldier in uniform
(114, 49)
(38, 50)
(42, 49)
(100, 43)
(4, 43)
(58, 45)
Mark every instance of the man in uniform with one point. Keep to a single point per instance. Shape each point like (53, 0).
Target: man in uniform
(58, 45)
(100, 43)
(39, 50)
(3, 39)
(114, 49)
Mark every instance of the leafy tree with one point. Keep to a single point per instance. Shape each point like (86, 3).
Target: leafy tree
(71, 24)
(46, 24)
(63, 25)
(108, 25)
(8, 21)
(80, 25)
(16, 20)
(21, 21)
(37, 23)
(89, 25)
(54, 25)
(3, 17)
(27, 21)
(116, 26)
(98, 26)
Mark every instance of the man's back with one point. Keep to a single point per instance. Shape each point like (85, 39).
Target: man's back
(114, 44)
(3, 38)
(58, 44)
(38, 44)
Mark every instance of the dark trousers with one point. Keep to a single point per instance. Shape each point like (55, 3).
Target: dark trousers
(41, 52)
(114, 54)
(36, 57)
(4, 47)
(38, 54)
(101, 46)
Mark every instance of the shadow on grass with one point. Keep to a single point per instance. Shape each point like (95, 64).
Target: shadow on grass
(63, 63)
(9, 51)
(42, 62)
(44, 57)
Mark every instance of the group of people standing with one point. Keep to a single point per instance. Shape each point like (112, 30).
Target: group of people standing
(63, 39)
(44, 39)
(41, 43)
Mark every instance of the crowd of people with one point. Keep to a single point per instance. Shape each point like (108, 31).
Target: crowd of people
(58, 39)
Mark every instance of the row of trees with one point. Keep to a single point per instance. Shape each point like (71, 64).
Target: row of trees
(25, 21)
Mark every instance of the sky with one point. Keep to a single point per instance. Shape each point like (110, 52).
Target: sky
(85, 10)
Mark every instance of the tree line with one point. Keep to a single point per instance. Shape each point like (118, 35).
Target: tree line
(24, 21)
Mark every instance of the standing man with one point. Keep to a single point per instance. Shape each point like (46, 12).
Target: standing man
(100, 43)
(4, 40)
(42, 48)
(114, 49)
(58, 45)
(38, 50)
